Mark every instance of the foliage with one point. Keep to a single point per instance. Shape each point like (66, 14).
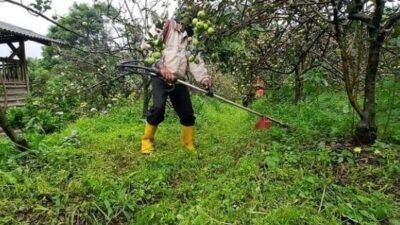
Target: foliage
(76, 72)
(41, 5)
(84, 166)
(62, 83)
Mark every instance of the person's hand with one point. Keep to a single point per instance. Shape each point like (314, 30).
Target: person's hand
(206, 82)
(167, 74)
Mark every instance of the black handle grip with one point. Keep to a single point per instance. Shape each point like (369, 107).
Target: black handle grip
(210, 92)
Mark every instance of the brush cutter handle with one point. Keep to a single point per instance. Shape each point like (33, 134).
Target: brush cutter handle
(210, 92)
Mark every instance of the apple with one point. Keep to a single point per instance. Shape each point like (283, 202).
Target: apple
(194, 21)
(156, 55)
(191, 58)
(157, 42)
(199, 25)
(201, 14)
(210, 30)
(357, 150)
(150, 60)
(195, 41)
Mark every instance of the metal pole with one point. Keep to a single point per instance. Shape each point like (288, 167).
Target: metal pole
(232, 103)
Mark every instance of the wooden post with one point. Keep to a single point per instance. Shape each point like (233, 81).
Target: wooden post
(24, 66)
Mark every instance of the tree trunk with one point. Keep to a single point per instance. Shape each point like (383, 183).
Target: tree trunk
(298, 86)
(21, 143)
(366, 131)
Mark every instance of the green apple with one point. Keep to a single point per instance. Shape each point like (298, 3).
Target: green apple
(201, 14)
(156, 55)
(210, 30)
(357, 150)
(195, 41)
(150, 60)
(199, 25)
(157, 42)
(191, 58)
(194, 21)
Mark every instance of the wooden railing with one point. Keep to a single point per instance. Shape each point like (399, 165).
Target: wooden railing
(12, 71)
(13, 83)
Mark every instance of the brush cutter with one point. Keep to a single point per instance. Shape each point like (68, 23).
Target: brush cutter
(263, 123)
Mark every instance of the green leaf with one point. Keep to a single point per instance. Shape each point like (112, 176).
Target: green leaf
(40, 208)
(363, 199)
(108, 207)
(365, 213)
(310, 179)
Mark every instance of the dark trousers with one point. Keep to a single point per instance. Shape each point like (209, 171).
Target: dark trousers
(180, 99)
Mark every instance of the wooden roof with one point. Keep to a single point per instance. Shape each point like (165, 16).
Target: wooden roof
(11, 33)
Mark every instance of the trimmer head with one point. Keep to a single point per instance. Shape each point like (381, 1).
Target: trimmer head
(263, 123)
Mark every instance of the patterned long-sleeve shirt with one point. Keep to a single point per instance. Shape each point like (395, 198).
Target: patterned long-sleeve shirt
(175, 57)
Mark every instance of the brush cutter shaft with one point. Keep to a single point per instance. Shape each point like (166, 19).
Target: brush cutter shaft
(219, 97)
(230, 102)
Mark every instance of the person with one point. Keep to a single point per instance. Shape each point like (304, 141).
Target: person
(259, 87)
(174, 64)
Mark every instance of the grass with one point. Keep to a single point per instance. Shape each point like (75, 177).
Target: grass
(92, 171)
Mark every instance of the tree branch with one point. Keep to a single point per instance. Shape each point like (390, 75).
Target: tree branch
(361, 17)
(45, 17)
(390, 23)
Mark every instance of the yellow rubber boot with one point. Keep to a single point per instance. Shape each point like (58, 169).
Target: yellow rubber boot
(188, 137)
(148, 138)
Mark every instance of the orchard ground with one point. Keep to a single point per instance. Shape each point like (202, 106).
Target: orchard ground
(91, 172)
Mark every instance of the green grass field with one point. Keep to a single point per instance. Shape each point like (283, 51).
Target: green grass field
(92, 171)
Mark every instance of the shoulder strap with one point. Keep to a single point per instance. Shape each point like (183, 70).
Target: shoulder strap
(169, 24)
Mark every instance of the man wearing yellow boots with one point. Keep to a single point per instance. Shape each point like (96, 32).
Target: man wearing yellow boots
(174, 64)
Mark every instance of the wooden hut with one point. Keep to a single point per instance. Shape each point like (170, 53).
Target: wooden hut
(14, 81)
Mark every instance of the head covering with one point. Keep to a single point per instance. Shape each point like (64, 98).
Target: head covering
(184, 15)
